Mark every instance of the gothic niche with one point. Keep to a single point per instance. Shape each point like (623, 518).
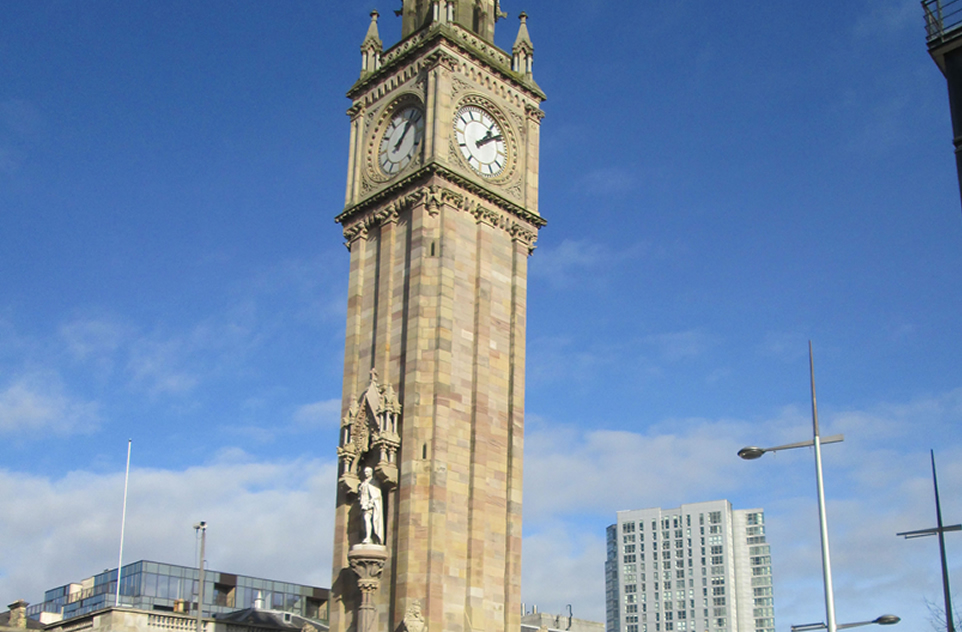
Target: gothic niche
(369, 438)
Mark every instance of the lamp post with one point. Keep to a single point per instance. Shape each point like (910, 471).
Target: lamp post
(753, 452)
(939, 530)
(201, 528)
(885, 619)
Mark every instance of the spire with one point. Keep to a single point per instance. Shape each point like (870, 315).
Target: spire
(523, 50)
(477, 16)
(371, 48)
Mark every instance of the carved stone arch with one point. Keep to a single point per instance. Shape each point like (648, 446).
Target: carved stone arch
(370, 437)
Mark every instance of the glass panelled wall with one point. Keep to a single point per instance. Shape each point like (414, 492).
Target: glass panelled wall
(149, 585)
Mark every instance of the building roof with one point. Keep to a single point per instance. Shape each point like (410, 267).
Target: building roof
(277, 619)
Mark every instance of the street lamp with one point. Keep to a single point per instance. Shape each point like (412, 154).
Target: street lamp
(752, 452)
(885, 619)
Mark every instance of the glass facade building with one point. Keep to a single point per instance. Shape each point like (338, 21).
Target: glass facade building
(700, 568)
(162, 587)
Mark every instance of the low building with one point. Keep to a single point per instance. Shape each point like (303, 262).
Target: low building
(155, 587)
(534, 621)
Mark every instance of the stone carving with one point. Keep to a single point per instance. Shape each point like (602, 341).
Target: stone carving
(520, 224)
(413, 619)
(457, 86)
(369, 437)
(514, 190)
(369, 498)
(367, 562)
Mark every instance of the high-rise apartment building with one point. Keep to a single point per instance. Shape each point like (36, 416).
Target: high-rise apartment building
(700, 568)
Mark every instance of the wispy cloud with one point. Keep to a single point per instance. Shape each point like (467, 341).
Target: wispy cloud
(887, 17)
(610, 181)
(679, 345)
(37, 404)
(568, 263)
(20, 123)
(318, 414)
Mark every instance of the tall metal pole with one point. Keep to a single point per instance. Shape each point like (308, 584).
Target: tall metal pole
(950, 625)
(123, 525)
(202, 527)
(823, 521)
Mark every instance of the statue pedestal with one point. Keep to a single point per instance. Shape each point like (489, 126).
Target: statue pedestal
(367, 562)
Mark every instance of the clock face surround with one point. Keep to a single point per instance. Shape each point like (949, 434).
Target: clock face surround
(401, 140)
(481, 140)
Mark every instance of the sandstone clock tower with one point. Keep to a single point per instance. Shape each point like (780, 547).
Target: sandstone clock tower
(440, 217)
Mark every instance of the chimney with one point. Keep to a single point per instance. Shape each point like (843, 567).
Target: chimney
(18, 614)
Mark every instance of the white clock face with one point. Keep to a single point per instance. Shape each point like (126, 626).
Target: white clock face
(480, 140)
(401, 140)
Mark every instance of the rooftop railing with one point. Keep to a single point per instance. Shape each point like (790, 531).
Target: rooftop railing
(943, 20)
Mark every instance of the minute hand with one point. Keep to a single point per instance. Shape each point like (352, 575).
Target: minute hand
(487, 138)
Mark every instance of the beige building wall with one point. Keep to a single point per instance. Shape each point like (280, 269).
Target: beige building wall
(437, 308)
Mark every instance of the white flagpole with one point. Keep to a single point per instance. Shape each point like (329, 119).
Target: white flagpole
(123, 525)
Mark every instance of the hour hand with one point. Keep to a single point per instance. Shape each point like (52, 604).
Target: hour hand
(487, 138)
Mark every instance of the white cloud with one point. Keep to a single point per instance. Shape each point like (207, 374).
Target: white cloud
(674, 346)
(36, 403)
(319, 414)
(265, 519)
(576, 481)
(563, 265)
(274, 519)
(93, 338)
(158, 366)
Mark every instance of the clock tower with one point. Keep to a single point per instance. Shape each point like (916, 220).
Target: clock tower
(441, 215)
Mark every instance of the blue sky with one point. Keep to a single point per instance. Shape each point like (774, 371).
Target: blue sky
(722, 184)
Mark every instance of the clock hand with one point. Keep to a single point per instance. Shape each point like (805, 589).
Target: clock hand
(407, 126)
(487, 138)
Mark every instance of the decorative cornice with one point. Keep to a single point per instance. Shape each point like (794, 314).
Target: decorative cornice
(493, 57)
(407, 183)
(534, 113)
(358, 221)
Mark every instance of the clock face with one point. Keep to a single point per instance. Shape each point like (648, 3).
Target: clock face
(480, 140)
(401, 140)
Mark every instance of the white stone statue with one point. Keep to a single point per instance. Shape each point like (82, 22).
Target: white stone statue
(413, 619)
(369, 497)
